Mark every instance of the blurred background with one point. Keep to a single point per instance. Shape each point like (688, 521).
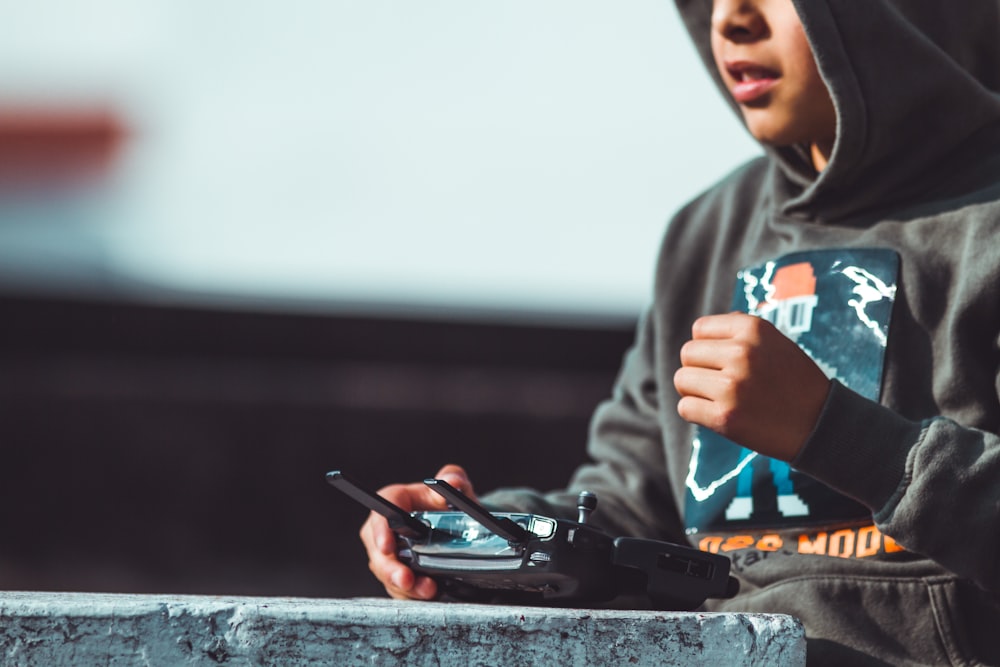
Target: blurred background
(244, 244)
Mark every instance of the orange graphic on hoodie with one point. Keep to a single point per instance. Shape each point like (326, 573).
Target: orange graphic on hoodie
(791, 299)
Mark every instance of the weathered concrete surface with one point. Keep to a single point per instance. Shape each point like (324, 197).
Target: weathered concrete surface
(53, 629)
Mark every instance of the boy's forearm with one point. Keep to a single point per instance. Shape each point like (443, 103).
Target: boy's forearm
(934, 486)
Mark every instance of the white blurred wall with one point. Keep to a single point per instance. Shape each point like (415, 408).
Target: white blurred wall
(452, 154)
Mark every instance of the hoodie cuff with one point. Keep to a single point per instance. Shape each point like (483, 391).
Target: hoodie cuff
(858, 447)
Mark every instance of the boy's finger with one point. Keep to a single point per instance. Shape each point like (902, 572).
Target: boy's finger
(401, 578)
(698, 382)
(705, 353)
(385, 539)
(727, 325)
(424, 588)
(697, 410)
(387, 569)
(401, 582)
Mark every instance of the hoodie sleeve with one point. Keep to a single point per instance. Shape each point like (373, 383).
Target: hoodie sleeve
(628, 471)
(933, 486)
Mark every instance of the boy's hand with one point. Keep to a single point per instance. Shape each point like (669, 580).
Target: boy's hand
(380, 542)
(743, 379)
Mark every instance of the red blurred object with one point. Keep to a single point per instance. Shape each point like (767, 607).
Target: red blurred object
(42, 148)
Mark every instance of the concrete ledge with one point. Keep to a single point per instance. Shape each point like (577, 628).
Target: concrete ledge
(55, 629)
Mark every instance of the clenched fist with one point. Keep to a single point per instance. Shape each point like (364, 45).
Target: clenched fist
(745, 380)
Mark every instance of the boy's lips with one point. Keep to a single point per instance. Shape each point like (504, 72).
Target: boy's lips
(750, 80)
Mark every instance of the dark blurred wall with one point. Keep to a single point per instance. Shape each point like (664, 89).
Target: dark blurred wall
(167, 449)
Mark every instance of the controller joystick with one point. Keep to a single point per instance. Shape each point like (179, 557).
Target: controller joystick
(586, 503)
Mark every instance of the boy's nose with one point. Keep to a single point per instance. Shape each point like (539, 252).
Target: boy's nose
(738, 20)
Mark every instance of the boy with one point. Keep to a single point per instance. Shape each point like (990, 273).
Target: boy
(834, 308)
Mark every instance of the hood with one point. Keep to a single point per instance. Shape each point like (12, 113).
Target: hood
(915, 86)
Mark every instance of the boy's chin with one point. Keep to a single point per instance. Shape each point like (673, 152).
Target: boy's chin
(782, 132)
(778, 139)
(773, 137)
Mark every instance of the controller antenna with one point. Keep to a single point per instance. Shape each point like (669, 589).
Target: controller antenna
(586, 502)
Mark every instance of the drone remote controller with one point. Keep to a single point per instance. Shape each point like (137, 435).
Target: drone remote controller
(477, 555)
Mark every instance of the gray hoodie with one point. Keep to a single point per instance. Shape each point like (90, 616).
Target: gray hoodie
(883, 536)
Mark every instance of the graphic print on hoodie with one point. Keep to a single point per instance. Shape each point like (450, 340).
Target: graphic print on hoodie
(836, 305)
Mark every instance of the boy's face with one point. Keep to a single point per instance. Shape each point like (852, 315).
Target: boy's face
(765, 60)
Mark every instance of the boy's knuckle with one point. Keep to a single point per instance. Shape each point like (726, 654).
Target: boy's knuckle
(728, 419)
(724, 419)
(729, 385)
